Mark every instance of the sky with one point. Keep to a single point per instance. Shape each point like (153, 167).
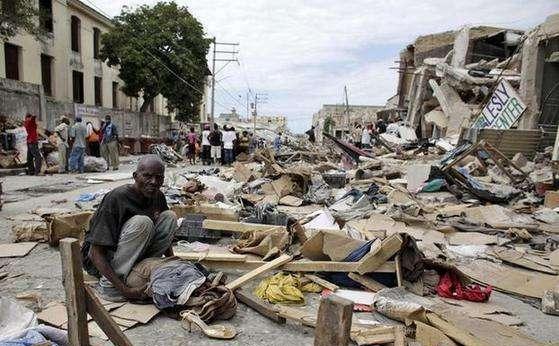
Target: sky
(301, 53)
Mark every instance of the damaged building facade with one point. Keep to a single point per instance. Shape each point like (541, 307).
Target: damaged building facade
(446, 80)
(343, 118)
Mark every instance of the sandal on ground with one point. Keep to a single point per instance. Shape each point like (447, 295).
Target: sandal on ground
(214, 331)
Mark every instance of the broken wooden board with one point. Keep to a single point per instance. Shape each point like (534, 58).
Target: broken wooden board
(16, 249)
(367, 282)
(262, 307)
(211, 256)
(142, 313)
(471, 331)
(430, 336)
(54, 315)
(238, 227)
(508, 279)
(268, 266)
(324, 283)
(208, 210)
(300, 266)
(374, 259)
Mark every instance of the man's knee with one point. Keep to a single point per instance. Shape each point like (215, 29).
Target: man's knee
(139, 224)
(168, 222)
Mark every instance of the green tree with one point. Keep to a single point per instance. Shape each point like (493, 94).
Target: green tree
(17, 16)
(159, 49)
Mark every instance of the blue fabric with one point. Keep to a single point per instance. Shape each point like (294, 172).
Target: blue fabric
(75, 162)
(31, 338)
(342, 279)
(228, 156)
(108, 133)
(277, 143)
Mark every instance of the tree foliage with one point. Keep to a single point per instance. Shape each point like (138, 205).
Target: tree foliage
(18, 16)
(159, 49)
(329, 123)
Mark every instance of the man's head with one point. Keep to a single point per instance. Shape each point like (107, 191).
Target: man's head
(149, 175)
(107, 119)
(224, 127)
(215, 127)
(78, 119)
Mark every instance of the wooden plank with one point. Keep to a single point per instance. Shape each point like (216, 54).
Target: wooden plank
(367, 282)
(211, 256)
(259, 271)
(324, 283)
(373, 260)
(333, 324)
(300, 266)
(104, 320)
(399, 277)
(72, 278)
(399, 336)
(238, 227)
(264, 308)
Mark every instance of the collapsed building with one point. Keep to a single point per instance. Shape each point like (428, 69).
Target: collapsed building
(446, 80)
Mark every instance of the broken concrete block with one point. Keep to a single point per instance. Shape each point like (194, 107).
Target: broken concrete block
(416, 175)
(544, 176)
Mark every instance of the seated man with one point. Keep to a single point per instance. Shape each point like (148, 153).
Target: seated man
(132, 222)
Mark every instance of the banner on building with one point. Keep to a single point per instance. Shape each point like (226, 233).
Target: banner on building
(502, 110)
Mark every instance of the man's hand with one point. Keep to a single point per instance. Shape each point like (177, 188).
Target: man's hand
(135, 293)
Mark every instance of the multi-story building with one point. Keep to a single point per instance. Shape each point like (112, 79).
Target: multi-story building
(276, 121)
(67, 63)
(343, 118)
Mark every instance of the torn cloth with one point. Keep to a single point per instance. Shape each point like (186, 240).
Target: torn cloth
(449, 286)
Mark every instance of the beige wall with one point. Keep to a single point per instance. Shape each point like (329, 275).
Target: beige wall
(65, 60)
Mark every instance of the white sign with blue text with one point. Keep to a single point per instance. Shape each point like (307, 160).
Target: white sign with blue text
(502, 110)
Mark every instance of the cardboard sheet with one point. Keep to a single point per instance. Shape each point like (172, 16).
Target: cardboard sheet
(508, 279)
(16, 249)
(136, 312)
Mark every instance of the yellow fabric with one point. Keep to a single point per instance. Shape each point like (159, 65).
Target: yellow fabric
(285, 289)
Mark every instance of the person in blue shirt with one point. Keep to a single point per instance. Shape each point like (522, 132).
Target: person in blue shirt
(109, 143)
(277, 143)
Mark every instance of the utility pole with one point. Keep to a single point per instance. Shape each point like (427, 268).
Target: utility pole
(230, 56)
(258, 98)
(347, 110)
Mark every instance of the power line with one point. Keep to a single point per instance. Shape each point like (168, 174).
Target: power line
(158, 60)
(229, 94)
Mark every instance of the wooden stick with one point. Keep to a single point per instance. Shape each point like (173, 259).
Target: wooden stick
(211, 256)
(258, 271)
(324, 283)
(367, 282)
(399, 276)
(264, 308)
(333, 325)
(104, 319)
(238, 227)
(72, 277)
(300, 266)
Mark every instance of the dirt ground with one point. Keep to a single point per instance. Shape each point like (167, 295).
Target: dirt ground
(40, 271)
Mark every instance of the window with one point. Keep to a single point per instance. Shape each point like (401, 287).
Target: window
(11, 57)
(9, 7)
(45, 10)
(96, 42)
(77, 86)
(75, 34)
(115, 94)
(98, 85)
(46, 74)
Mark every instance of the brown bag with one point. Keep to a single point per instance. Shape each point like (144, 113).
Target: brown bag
(213, 303)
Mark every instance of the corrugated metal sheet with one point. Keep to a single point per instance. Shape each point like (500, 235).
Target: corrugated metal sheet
(510, 142)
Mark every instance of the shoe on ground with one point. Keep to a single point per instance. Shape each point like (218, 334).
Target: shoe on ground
(110, 294)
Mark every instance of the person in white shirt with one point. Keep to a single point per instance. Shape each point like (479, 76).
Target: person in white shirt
(228, 138)
(206, 159)
(61, 131)
(365, 138)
